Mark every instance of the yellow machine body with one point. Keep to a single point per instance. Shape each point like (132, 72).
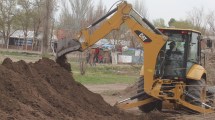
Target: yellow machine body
(196, 72)
(152, 42)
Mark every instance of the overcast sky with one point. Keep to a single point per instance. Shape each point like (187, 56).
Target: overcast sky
(167, 9)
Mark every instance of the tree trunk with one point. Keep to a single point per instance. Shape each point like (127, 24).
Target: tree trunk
(7, 39)
(46, 28)
(25, 39)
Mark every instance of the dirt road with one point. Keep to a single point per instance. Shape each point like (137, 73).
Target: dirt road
(112, 93)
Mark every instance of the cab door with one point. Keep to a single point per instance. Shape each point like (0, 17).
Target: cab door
(194, 49)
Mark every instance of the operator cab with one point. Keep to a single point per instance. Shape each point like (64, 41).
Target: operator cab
(181, 51)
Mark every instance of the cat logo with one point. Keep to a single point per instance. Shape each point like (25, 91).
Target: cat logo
(142, 36)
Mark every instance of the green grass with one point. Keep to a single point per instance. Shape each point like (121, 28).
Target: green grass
(99, 78)
(106, 74)
(15, 53)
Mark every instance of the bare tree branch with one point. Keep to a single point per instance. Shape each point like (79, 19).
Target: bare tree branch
(197, 17)
(7, 16)
(80, 9)
(139, 6)
(211, 21)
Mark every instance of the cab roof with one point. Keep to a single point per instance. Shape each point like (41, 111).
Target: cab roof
(180, 29)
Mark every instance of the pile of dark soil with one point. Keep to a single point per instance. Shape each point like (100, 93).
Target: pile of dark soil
(44, 90)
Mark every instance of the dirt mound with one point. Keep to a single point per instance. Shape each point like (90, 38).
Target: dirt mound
(129, 91)
(44, 90)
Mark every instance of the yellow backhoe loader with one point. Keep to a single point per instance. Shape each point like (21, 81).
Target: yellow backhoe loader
(172, 70)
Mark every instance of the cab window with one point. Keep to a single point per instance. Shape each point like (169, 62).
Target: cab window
(193, 48)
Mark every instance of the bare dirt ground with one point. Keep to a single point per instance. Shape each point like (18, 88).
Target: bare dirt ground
(112, 93)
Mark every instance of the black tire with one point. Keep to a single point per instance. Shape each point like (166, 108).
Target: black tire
(156, 105)
(210, 92)
(195, 88)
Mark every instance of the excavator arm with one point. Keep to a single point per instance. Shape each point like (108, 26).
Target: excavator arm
(87, 39)
(150, 38)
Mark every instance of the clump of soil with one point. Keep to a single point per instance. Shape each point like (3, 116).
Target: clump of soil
(45, 90)
(62, 61)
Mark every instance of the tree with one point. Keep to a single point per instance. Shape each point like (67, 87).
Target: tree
(124, 33)
(37, 16)
(24, 17)
(100, 10)
(139, 6)
(48, 10)
(184, 24)
(211, 21)
(159, 22)
(75, 15)
(66, 22)
(8, 13)
(80, 8)
(171, 21)
(94, 14)
(197, 18)
(211, 24)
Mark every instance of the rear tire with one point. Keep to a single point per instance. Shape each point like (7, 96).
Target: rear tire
(196, 89)
(156, 105)
(210, 92)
